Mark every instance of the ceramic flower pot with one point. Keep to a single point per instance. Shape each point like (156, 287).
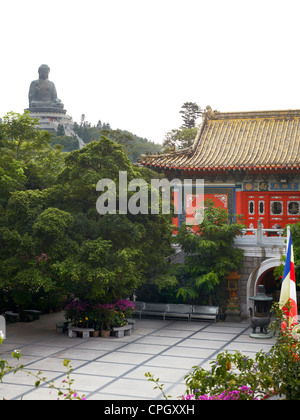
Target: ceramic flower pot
(105, 333)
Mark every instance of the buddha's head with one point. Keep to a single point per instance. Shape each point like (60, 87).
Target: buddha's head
(44, 71)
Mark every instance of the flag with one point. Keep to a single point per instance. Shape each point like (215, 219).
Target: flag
(288, 297)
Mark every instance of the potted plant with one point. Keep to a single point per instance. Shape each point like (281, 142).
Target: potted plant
(106, 316)
(95, 323)
(119, 319)
(96, 331)
(125, 306)
(77, 312)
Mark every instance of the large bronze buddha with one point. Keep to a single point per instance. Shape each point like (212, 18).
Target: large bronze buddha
(42, 94)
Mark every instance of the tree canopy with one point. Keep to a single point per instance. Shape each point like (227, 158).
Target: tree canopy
(133, 145)
(184, 136)
(190, 112)
(209, 257)
(210, 253)
(53, 242)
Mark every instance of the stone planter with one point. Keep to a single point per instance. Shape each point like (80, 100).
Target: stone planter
(105, 333)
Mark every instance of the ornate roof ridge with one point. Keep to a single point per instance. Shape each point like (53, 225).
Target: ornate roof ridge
(217, 115)
(252, 140)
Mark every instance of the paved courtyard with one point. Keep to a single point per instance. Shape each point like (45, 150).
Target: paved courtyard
(114, 368)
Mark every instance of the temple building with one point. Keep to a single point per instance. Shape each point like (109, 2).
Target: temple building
(250, 163)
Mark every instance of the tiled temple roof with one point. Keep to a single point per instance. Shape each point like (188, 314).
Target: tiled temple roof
(239, 140)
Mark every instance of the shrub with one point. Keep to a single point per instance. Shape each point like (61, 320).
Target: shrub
(236, 376)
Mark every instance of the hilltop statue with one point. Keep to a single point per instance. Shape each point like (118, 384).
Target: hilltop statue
(42, 94)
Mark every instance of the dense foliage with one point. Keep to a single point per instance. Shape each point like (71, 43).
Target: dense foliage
(133, 145)
(184, 136)
(190, 112)
(209, 257)
(52, 240)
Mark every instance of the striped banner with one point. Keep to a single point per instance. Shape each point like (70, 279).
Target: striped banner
(288, 296)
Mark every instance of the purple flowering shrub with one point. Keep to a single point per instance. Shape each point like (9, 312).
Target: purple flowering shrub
(115, 314)
(242, 393)
(98, 315)
(232, 376)
(77, 311)
(105, 314)
(125, 306)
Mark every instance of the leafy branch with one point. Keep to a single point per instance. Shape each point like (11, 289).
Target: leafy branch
(158, 385)
(66, 391)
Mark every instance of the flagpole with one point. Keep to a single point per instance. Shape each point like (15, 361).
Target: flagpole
(288, 294)
(288, 235)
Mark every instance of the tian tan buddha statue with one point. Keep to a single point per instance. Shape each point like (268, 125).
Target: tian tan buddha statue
(42, 94)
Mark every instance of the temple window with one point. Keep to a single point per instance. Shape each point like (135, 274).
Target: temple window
(293, 207)
(251, 207)
(276, 207)
(261, 207)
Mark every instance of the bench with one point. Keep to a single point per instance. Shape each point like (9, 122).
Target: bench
(72, 332)
(155, 309)
(179, 310)
(121, 331)
(204, 312)
(32, 314)
(12, 316)
(139, 306)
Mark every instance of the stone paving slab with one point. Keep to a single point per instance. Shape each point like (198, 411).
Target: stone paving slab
(114, 368)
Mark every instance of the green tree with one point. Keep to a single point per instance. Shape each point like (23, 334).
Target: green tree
(179, 138)
(68, 143)
(60, 130)
(27, 159)
(52, 240)
(33, 238)
(190, 112)
(185, 135)
(133, 145)
(133, 244)
(124, 138)
(210, 255)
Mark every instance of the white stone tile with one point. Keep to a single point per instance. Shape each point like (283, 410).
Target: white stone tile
(216, 336)
(80, 354)
(164, 374)
(189, 351)
(9, 391)
(125, 357)
(132, 388)
(200, 344)
(173, 361)
(145, 348)
(53, 364)
(104, 369)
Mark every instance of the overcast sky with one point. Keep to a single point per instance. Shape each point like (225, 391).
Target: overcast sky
(133, 63)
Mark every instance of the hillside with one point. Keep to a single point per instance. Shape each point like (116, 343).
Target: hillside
(133, 145)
